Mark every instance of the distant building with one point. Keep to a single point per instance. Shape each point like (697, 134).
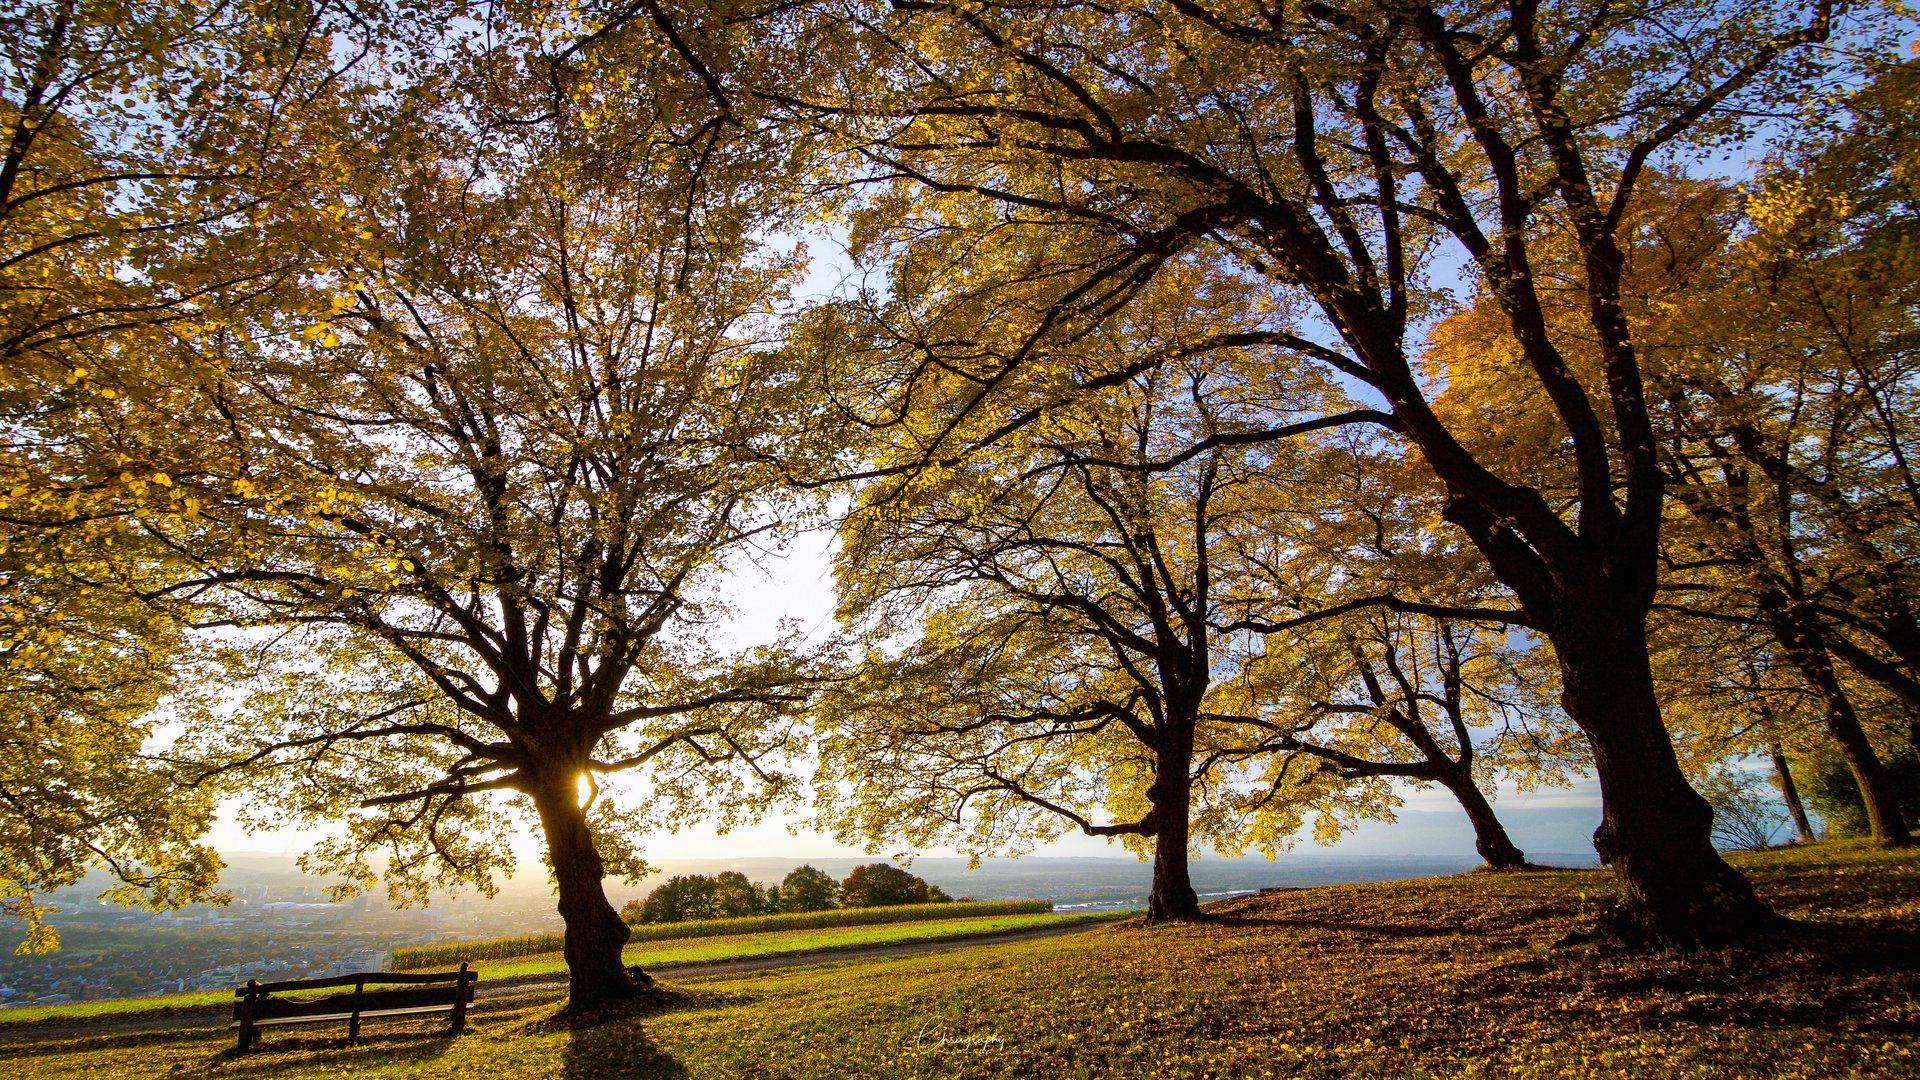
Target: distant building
(358, 961)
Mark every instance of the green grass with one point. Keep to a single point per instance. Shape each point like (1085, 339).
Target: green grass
(430, 956)
(646, 954)
(1446, 977)
(143, 1006)
(748, 946)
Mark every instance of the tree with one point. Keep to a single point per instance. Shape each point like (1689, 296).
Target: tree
(1404, 664)
(1790, 794)
(1770, 429)
(1727, 696)
(1834, 233)
(807, 889)
(148, 147)
(1334, 148)
(680, 899)
(1059, 593)
(80, 670)
(881, 885)
(483, 462)
(1832, 240)
(1381, 695)
(1826, 781)
(1752, 423)
(735, 897)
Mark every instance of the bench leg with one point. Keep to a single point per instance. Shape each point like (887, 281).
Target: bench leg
(248, 1033)
(462, 991)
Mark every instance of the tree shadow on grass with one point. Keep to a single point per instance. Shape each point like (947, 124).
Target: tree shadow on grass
(389, 1046)
(612, 1043)
(617, 1051)
(278, 1051)
(1800, 953)
(1806, 975)
(69, 1043)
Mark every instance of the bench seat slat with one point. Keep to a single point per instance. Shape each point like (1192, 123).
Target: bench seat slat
(274, 1021)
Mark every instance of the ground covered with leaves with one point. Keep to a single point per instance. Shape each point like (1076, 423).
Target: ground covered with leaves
(1455, 976)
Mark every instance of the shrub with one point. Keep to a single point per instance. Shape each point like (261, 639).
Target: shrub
(1746, 812)
(807, 889)
(881, 885)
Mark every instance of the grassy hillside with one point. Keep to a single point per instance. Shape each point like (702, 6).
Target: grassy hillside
(648, 954)
(669, 953)
(449, 955)
(1444, 977)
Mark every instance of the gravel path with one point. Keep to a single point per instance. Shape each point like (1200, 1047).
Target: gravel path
(65, 1030)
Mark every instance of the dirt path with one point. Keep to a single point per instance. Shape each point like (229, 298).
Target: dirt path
(63, 1030)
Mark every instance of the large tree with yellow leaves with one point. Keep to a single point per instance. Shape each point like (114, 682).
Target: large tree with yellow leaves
(1338, 150)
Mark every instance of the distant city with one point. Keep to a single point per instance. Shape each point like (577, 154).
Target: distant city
(281, 926)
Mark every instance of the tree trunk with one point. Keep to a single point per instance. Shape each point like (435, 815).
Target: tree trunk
(595, 934)
(1807, 650)
(1870, 776)
(1172, 898)
(1655, 830)
(1490, 837)
(1790, 794)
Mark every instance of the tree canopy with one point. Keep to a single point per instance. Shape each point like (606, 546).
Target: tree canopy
(156, 158)
(462, 485)
(884, 885)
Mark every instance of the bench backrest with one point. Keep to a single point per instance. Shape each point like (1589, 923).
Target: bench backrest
(401, 994)
(401, 990)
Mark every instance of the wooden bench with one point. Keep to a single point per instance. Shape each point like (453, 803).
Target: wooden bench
(415, 994)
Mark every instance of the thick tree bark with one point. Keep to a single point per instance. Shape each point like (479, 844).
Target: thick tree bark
(1805, 647)
(1656, 833)
(1490, 837)
(594, 932)
(1884, 822)
(1655, 830)
(1790, 793)
(1172, 898)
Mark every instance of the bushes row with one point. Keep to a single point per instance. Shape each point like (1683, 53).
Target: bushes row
(730, 895)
